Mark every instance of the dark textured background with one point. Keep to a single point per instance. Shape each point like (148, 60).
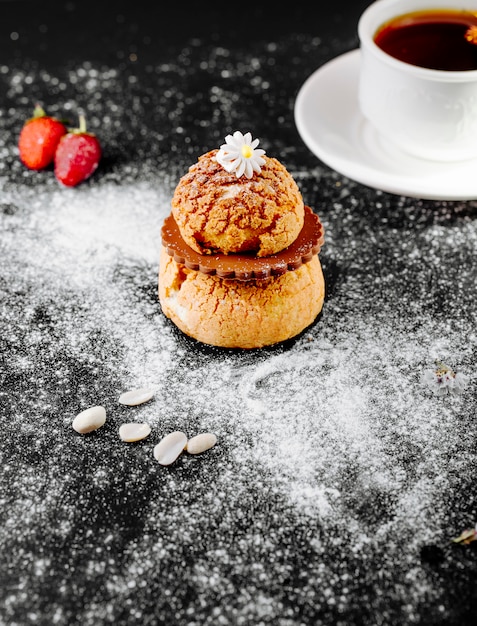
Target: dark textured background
(338, 481)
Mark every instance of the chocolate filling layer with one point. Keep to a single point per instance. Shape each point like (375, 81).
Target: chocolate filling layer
(247, 266)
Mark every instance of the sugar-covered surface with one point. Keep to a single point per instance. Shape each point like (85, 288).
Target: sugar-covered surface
(338, 481)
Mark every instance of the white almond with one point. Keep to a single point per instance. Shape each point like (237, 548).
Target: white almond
(89, 419)
(170, 447)
(136, 396)
(134, 431)
(201, 443)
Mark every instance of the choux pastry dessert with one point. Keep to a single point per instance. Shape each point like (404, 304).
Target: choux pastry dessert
(239, 265)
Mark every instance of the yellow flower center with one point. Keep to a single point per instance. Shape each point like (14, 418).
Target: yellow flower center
(247, 152)
(443, 369)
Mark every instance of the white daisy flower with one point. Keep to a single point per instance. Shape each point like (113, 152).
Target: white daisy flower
(239, 154)
(444, 380)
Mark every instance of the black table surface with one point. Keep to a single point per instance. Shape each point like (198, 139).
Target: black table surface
(338, 481)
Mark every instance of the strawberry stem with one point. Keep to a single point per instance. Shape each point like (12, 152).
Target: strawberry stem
(82, 124)
(38, 111)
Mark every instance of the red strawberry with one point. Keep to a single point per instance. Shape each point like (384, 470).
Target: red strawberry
(39, 138)
(77, 156)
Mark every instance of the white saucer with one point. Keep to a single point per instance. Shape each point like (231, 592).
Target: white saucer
(330, 123)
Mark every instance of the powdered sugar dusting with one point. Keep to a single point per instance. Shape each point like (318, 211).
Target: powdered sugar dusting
(335, 469)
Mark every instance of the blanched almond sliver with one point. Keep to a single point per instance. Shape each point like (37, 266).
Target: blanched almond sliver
(201, 443)
(89, 419)
(136, 396)
(170, 447)
(134, 431)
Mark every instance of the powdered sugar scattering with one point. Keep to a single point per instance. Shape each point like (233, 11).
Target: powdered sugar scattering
(332, 462)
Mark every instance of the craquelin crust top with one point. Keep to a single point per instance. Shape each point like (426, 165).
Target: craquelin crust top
(217, 212)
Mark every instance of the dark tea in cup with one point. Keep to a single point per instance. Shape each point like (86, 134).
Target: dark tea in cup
(418, 76)
(440, 39)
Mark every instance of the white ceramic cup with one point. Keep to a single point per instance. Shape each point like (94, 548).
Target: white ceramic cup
(431, 114)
